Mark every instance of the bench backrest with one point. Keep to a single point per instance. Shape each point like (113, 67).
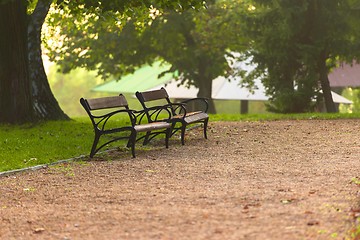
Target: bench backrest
(153, 98)
(104, 103)
(94, 104)
(153, 95)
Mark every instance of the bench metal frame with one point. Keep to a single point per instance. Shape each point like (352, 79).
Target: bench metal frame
(179, 111)
(117, 105)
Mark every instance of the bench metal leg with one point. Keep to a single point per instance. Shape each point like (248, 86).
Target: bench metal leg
(205, 127)
(131, 143)
(183, 128)
(146, 138)
(168, 134)
(93, 148)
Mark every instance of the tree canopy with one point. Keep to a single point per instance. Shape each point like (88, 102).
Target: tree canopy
(195, 42)
(296, 43)
(25, 95)
(293, 44)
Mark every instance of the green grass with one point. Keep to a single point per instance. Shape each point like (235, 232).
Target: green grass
(30, 145)
(27, 145)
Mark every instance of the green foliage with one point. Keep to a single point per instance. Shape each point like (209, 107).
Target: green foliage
(69, 88)
(291, 101)
(194, 42)
(85, 33)
(356, 181)
(31, 4)
(132, 6)
(355, 234)
(354, 95)
(295, 43)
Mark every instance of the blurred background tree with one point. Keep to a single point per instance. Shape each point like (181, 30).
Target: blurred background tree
(195, 42)
(296, 43)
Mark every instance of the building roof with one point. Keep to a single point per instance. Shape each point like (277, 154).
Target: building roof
(142, 79)
(346, 75)
(223, 89)
(146, 78)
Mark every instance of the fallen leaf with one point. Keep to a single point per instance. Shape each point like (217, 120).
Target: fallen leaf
(355, 213)
(39, 230)
(312, 223)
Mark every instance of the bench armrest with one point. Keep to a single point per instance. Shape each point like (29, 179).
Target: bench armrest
(203, 103)
(153, 114)
(100, 121)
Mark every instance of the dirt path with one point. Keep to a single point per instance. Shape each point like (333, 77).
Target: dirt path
(263, 180)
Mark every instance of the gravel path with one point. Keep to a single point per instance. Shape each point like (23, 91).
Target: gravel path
(249, 180)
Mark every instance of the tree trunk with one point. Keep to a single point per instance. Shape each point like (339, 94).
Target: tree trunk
(15, 88)
(204, 82)
(325, 84)
(45, 105)
(205, 91)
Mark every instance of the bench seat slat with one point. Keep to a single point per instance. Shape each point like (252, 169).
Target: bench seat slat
(196, 117)
(151, 126)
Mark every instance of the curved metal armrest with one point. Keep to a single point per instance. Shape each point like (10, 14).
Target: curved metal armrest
(103, 119)
(110, 114)
(177, 109)
(159, 113)
(203, 100)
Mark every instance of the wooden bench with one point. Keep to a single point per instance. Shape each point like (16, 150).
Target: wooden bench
(102, 110)
(181, 115)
